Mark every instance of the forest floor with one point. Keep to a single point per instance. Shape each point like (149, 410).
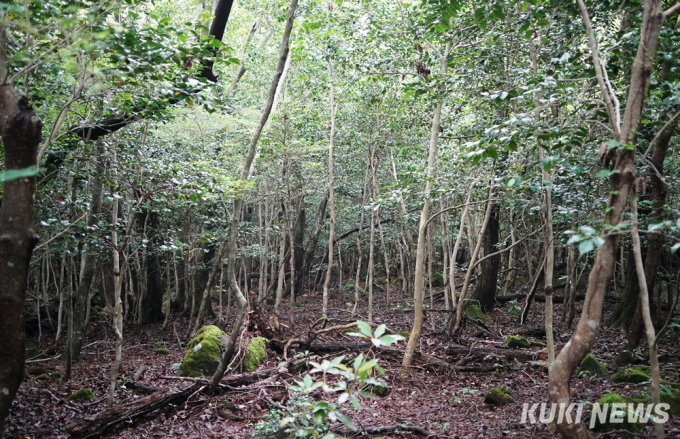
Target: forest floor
(446, 402)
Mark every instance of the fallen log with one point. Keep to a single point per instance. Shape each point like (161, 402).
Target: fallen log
(95, 426)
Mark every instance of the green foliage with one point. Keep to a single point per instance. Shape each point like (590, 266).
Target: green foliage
(437, 279)
(203, 353)
(340, 388)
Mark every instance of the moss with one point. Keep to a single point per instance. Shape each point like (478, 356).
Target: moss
(437, 279)
(405, 334)
(396, 281)
(635, 375)
(672, 399)
(298, 304)
(615, 398)
(162, 351)
(81, 395)
(378, 389)
(203, 354)
(498, 396)
(43, 377)
(255, 355)
(475, 313)
(591, 366)
(515, 341)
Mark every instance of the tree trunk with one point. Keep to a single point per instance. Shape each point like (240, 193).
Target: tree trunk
(81, 300)
(603, 267)
(152, 301)
(487, 282)
(20, 129)
(418, 280)
(331, 195)
(241, 301)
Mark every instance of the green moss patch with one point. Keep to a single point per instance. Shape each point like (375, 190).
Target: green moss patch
(437, 279)
(622, 412)
(498, 396)
(203, 354)
(256, 354)
(591, 366)
(405, 334)
(81, 395)
(474, 313)
(378, 389)
(161, 351)
(515, 341)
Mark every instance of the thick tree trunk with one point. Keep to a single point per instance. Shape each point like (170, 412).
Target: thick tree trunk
(152, 301)
(487, 282)
(20, 129)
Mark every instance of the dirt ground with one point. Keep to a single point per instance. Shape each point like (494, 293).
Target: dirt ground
(447, 403)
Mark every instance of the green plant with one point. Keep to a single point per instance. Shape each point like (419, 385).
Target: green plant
(339, 389)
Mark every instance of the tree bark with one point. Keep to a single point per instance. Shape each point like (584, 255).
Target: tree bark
(418, 280)
(584, 336)
(20, 129)
(241, 301)
(487, 283)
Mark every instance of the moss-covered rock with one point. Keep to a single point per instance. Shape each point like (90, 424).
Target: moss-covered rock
(203, 355)
(256, 354)
(378, 389)
(81, 395)
(405, 334)
(622, 413)
(672, 399)
(396, 281)
(43, 377)
(474, 313)
(498, 396)
(641, 374)
(437, 279)
(515, 341)
(591, 366)
(161, 351)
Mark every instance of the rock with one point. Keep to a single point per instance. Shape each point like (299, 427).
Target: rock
(203, 354)
(515, 341)
(378, 389)
(405, 334)
(162, 351)
(43, 377)
(591, 366)
(437, 279)
(474, 313)
(256, 354)
(498, 396)
(614, 398)
(81, 395)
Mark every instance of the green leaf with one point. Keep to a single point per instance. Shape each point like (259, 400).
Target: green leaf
(13, 174)
(586, 246)
(365, 328)
(380, 330)
(613, 144)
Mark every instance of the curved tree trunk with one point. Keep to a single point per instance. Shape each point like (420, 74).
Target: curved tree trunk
(603, 267)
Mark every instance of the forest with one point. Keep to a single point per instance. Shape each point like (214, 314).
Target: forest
(339, 219)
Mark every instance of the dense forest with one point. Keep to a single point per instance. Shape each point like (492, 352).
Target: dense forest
(339, 218)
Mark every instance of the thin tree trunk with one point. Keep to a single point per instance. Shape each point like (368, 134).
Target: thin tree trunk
(584, 336)
(118, 286)
(646, 314)
(418, 280)
(241, 301)
(456, 246)
(331, 195)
